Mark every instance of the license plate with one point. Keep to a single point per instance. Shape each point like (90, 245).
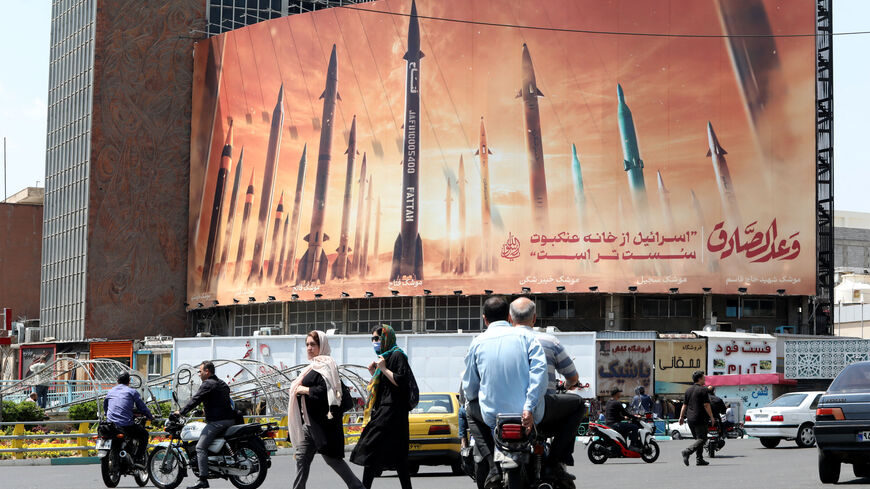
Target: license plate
(104, 444)
(415, 446)
(271, 445)
(864, 436)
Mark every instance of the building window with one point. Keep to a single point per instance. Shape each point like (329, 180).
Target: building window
(454, 313)
(663, 308)
(305, 316)
(759, 308)
(155, 366)
(252, 317)
(363, 315)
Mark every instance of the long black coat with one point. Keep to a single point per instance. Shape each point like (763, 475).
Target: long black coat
(384, 440)
(327, 434)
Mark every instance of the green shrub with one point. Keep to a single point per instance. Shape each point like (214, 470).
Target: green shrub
(85, 410)
(163, 409)
(29, 411)
(10, 411)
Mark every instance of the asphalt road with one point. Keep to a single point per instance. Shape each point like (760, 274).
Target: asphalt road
(742, 464)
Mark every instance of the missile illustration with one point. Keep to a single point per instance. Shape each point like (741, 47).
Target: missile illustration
(214, 227)
(279, 213)
(712, 265)
(408, 250)
(665, 201)
(271, 170)
(723, 177)
(486, 260)
(290, 266)
(446, 264)
(313, 264)
(529, 93)
(632, 163)
(375, 259)
(364, 265)
(462, 259)
(231, 214)
(339, 266)
(357, 239)
(243, 234)
(279, 274)
(579, 192)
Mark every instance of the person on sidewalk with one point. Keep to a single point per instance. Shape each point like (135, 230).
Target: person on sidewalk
(696, 408)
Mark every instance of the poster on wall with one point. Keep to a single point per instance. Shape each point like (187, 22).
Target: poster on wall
(401, 147)
(738, 355)
(676, 360)
(29, 355)
(625, 364)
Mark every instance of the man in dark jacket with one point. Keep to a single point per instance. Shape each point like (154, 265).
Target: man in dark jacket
(214, 394)
(616, 416)
(696, 409)
(717, 405)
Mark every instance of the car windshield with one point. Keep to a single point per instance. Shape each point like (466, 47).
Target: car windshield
(434, 404)
(788, 400)
(854, 378)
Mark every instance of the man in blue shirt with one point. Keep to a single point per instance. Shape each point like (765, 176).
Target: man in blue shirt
(505, 372)
(118, 406)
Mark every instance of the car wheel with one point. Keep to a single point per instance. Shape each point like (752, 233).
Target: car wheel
(675, 435)
(861, 470)
(769, 442)
(806, 437)
(829, 468)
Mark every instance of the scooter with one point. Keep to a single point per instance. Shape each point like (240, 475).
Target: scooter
(521, 456)
(115, 452)
(606, 442)
(715, 440)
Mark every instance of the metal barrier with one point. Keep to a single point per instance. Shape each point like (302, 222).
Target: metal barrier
(84, 436)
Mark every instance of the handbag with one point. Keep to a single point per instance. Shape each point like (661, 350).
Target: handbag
(346, 399)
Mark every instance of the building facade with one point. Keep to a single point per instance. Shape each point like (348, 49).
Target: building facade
(21, 225)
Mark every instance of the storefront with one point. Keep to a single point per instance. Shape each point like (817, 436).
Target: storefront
(624, 364)
(121, 351)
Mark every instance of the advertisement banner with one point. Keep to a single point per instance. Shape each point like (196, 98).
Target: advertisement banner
(741, 355)
(676, 360)
(400, 147)
(625, 364)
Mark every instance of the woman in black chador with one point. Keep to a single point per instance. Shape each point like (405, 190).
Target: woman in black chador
(383, 444)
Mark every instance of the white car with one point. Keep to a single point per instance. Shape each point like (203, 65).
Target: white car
(679, 431)
(788, 417)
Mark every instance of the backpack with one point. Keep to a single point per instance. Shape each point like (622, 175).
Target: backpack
(413, 391)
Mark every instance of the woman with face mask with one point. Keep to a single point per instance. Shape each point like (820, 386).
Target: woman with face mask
(383, 443)
(314, 414)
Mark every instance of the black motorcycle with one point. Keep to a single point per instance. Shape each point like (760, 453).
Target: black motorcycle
(715, 440)
(241, 454)
(521, 456)
(116, 450)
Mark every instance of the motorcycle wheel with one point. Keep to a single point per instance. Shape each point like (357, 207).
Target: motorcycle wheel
(172, 477)
(110, 468)
(711, 449)
(260, 460)
(141, 477)
(514, 479)
(650, 452)
(597, 452)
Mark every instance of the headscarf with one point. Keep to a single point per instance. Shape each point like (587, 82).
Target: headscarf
(388, 346)
(326, 367)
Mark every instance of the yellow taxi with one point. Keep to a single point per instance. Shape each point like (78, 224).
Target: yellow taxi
(434, 428)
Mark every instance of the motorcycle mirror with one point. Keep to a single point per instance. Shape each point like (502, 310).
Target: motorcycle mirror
(175, 398)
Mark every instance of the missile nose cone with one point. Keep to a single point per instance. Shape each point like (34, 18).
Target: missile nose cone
(251, 183)
(281, 94)
(332, 70)
(304, 151)
(281, 201)
(574, 150)
(619, 94)
(661, 182)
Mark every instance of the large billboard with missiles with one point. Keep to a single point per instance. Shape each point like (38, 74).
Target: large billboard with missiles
(448, 145)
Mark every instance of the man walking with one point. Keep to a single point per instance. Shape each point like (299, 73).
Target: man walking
(696, 409)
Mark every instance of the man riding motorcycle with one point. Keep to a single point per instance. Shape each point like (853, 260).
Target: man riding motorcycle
(505, 372)
(717, 405)
(563, 413)
(118, 406)
(214, 394)
(641, 403)
(616, 416)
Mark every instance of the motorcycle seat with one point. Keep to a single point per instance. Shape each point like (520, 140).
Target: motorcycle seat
(242, 429)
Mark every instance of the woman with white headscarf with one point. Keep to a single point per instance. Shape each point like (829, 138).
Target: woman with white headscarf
(314, 414)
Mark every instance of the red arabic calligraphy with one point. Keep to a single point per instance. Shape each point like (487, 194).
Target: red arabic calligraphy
(757, 246)
(511, 248)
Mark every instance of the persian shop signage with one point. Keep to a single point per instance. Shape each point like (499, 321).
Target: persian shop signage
(625, 364)
(737, 356)
(676, 360)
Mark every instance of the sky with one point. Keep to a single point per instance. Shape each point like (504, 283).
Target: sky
(23, 95)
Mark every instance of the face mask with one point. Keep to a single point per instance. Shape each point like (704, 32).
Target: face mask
(377, 346)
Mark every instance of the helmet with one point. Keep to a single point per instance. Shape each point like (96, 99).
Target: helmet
(639, 390)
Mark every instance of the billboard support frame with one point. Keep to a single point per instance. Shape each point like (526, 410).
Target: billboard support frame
(824, 166)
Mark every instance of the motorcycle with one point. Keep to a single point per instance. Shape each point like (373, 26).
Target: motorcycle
(734, 431)
(521, 456)
(241, 454)
(606, 442)
(115, 451)
(715, 441)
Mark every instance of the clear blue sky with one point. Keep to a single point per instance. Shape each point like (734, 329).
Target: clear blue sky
(23, 92)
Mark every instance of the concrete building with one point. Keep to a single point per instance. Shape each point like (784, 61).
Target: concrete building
(20, 245)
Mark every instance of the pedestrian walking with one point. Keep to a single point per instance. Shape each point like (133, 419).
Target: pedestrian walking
(39, 376)
(314, 415)
(696, 409)
(383, 443)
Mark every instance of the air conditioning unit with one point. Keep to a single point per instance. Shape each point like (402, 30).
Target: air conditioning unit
(32, 335)
(267, 331)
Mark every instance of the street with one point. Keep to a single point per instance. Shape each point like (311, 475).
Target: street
(742, 464)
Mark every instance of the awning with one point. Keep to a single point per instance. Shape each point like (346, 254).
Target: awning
(749, 379)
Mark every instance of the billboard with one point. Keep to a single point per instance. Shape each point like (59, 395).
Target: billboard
(676, 360)
(452, 145)
(741, 354)
(626, 364)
